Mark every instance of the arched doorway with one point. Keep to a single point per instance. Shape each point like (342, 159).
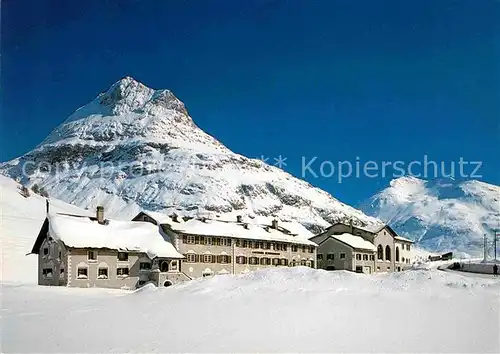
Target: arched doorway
(380, 252)
(164, 266)
(167, 283)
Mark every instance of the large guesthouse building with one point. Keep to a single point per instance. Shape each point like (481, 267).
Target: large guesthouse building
(83, 251)
(232, 246)
(353, 248)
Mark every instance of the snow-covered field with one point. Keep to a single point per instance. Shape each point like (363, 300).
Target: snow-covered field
(272, 310)
(20, 221)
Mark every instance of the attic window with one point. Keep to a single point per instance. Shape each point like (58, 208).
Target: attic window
(45, 251)
(92, 255)
(123, 256)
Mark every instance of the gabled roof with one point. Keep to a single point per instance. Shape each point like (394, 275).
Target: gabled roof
(355, 242)
(159, 218)
(85, 232)
(372, 231)
(404, 239)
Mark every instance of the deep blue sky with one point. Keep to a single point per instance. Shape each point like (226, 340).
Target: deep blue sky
(382, 80)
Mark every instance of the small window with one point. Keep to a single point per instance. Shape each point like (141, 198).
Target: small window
(388, 268)
(365, 257)
(407, 247)
(190, 258)
(342, 256)
(294, 248)
(47, 272)
(311, 249)
(241, 260)
(378, 269)
(191, 239)
(303, 249)
(102, 273)
(122, 272)
(83, 273)
(122, 256)
(60, 254)
(372, 257)
(330, 257)
(403, 259)
(144, 266)
(45, 251)
(359, 269)
(173, 265)
(358, 256)
(253, 260)
(208, 240)
(207, 258)
(92, 255)
(319, 256)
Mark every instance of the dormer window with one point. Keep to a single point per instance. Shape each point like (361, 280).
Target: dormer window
(92, 255)
(123, 256)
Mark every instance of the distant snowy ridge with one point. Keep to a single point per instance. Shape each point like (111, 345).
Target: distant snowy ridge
(134, 148)
(441, 214)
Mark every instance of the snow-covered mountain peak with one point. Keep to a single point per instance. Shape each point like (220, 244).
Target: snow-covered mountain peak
(125, 96)
(134, 148)
(442, 214)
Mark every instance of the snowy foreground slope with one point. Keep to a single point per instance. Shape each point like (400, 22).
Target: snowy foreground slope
(272, 310)
(20, 222)
(134, 148)
(441, 214)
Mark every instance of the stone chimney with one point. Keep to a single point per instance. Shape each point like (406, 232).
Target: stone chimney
(275, 224)
(100, 214)
(175, 218)
(239, 218)
(352, 226)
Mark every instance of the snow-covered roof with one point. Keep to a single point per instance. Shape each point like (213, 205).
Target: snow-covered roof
(355, 241)
(82, 232)
(404, 239)
(162, 218)
(238, 230)
(227, 225)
